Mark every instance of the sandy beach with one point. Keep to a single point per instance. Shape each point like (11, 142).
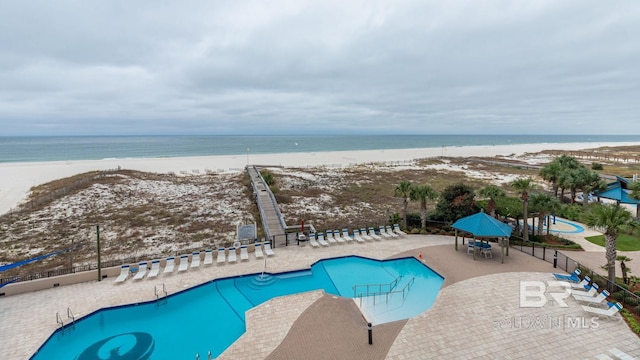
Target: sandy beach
(18, 178)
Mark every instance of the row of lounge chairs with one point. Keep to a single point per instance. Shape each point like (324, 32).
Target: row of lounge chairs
(586, 292)
(230, 255)
(358, 235)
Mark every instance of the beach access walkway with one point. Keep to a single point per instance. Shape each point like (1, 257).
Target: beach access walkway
(272, 220)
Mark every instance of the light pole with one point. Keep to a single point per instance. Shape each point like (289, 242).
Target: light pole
(247, 156)
(98, 244)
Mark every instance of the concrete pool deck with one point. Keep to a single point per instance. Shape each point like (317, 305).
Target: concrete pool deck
(476, 314)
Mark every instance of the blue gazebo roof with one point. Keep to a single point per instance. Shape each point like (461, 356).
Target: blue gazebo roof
(618, 191)
(483, 225)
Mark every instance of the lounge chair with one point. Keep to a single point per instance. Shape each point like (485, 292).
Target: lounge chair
(336, 235)
(195, 260)
(593, 299)
(573, 277)
(244, 254)
(312, 240)
(222, 257)
(155, 269)
(330, 237)
(142, 271)
(184, 263)
(589, 291)
(383, 232)
(372, 233)
(357, 237)
(345, 235)
(124, 274)
(363, 234)
(258, 251)
(582, 284)
(390, 231)
(396, 229)
(168, 268)
(208, 257)
(611, 311)
(233, 257)
(267, 249)
(321, 240)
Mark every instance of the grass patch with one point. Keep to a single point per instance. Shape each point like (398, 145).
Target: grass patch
(625, 242)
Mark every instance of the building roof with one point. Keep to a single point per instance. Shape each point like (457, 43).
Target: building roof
(483, 225)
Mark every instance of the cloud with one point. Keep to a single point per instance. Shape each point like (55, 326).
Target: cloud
(227, 67)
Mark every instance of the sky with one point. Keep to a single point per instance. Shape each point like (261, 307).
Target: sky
(319, 67)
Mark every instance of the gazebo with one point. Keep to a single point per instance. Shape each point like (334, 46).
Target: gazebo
(481, 225)
(619, 192)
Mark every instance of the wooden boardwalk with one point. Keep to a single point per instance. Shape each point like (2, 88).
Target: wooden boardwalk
(272, 220)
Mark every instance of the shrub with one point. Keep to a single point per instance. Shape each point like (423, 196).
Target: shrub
(631, 320)
(596, 166)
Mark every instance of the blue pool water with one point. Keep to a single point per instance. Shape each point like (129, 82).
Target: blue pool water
(210, 317)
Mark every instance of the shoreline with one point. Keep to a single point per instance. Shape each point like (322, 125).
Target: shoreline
(19, 177)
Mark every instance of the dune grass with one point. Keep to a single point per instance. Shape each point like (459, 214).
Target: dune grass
(625, 242)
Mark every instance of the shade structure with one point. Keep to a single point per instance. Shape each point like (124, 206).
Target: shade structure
(482, 225)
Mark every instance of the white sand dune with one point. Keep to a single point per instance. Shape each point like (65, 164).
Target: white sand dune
(16, 179)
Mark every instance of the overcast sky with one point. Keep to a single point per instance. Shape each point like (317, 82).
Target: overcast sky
(319, 67)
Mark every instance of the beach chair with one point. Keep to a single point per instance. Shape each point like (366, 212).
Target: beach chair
(168, 268)
(611, 311)
(582, 284)
(155, 269)
(357, 237)
(142, 271)
(184, 263)
(345, 235)
(383, 232)
(233, 257)
(312, 240)
(330, 237)
(208, 257)
(258, 251)
(321, 240)
(593, 299)
(363, 234)
(195, 260)
(124, 274)
(396, 229)
(573, 277)
(222, 257)
(267, 249)
(390, 232)
(372, 233)
(588, 292)
(339, 239)
(244, 254)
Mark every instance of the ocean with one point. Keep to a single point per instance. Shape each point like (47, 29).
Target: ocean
(63, 148)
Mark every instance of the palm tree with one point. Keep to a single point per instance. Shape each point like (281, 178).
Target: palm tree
(403, 190)
(550, 172)
(491, 192)
(590, 181)
(611, 218)
(524, 186)
(423, 193)
(544, 205)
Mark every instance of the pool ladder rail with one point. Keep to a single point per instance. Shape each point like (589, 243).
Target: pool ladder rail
(69, 316)
(164, 291)
(209, 357)
(391, 286)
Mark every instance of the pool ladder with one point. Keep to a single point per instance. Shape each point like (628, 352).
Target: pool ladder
(209, 357)
(164, 291)
(69, 316)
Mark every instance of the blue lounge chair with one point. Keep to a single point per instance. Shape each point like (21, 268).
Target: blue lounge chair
(573, 277)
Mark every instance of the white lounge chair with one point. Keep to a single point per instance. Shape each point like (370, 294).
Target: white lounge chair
(356, 236)
(142, 271)
(258, 250)
(267, 249)
(363, 234)
(594, 299)
(321, 240)
(195, 260)
(345, 235)
(582, 284)
(372, 233)
(244, 254)
(396, 229)
(171, 263)
(233, 257)
(390, 231)
(222, 257)
(208, 257)
(611, 311)
(383, 232)
(184, 263)
(312, 240)
(155, 269)
(330, 237)
(339, 239)
(591, 291)
(124, 274)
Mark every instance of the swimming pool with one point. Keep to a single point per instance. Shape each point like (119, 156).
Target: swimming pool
(210, 317)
